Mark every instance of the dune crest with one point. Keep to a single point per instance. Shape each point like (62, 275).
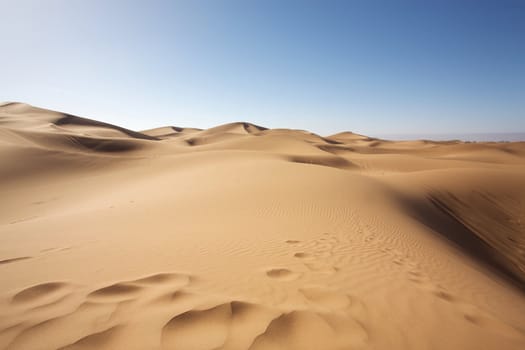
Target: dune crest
(243, 237)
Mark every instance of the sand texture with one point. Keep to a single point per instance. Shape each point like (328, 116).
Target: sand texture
(242, 237)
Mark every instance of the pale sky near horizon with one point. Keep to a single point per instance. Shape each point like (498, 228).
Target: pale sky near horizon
(373, 67)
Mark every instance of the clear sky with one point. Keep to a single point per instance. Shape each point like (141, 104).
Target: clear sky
(373, 67)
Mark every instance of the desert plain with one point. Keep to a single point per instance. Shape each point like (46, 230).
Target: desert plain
(242, 237)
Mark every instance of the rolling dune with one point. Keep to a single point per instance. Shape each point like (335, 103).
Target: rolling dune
(242, 237)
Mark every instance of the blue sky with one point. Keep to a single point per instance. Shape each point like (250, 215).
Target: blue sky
(373, 67)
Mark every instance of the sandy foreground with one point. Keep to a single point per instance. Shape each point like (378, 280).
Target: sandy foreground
(241, 237)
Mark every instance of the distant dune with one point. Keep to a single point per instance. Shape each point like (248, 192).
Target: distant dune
(473, 137)
(243, 237)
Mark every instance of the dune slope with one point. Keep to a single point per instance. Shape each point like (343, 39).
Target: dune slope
(242, 237)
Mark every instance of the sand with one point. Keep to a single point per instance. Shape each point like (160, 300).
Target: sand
(242, 237)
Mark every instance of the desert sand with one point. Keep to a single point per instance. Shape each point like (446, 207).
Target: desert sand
(242, 237)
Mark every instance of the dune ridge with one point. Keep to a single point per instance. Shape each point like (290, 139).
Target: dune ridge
(244, 237)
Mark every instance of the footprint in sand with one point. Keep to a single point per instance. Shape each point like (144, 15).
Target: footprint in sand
(417, 277)
(116, 292)
(126, 290)
(477, 316)
(178, 279)
(301, 329)
(95, 340)
(282, 274)
(40, 292)
(56, 249)
(443, 295)
(302, 255)
(292, 241)
(229, 325)
(485, 320)
(12, 260)
(57, 306)
(399, 261)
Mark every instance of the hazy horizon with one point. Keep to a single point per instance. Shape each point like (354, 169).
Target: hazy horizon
(371, 67)
(469, 137)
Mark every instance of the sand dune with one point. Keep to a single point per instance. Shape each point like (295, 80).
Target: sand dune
(242, 237)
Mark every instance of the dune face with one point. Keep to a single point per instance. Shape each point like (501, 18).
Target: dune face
(242, 237)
